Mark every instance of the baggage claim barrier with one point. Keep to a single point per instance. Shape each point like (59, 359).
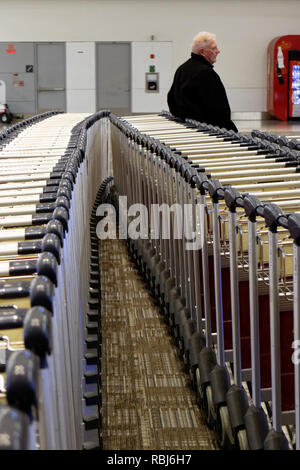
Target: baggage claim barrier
(232, 302)
(49, 286)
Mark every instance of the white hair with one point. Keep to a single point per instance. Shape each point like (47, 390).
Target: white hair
(202, 40)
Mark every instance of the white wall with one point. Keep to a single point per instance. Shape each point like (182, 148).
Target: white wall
(142, 101)
(243, 27)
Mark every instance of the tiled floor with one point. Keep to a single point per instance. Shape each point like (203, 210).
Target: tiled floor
(147, 399)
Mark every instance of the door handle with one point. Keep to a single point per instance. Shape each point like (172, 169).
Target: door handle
(51, 89)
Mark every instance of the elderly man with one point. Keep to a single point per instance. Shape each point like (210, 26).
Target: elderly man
(197, 91)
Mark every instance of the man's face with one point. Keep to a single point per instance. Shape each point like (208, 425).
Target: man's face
(210, 53)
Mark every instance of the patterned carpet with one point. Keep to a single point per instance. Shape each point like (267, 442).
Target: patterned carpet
(148, 403)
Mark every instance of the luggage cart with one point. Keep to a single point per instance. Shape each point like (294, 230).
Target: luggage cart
(5, 115)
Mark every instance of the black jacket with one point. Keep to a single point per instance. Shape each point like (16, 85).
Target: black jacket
(198, 93)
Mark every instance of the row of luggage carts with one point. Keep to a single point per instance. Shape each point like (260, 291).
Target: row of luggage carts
(223, 268)
(219, 237)
(49, 368)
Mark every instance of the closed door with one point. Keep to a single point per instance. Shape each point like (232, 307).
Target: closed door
(113, 77)
(51, 76)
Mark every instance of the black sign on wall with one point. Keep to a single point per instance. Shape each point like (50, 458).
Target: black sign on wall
(29, 68)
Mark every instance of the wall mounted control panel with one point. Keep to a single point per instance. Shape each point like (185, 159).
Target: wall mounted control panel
(152, 82)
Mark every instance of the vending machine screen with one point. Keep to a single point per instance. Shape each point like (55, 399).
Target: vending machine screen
(294, 91)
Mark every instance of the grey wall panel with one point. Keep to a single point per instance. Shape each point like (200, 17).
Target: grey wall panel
(113, 76)
(14, 62)
(21, 108)
(51, 76)
(50, 100)
(17, 69)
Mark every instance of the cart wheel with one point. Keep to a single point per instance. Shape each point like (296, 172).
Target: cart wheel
(199, 388)
(242, 440)
(209, 408)
(186, 361)
(192, 375)
(224, 431)
(4, 117)
(180, 348)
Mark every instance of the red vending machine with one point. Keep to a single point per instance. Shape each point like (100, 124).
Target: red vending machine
(284, 77)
